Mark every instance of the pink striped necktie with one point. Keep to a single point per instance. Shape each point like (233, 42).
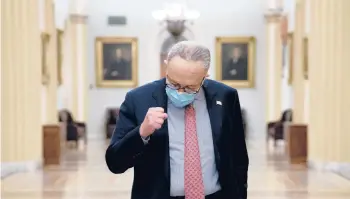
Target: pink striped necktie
(194, 187)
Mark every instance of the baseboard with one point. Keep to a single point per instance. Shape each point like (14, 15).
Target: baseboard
(10, 168)
(342, 169)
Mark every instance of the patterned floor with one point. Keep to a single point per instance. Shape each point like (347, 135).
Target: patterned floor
(83, 175)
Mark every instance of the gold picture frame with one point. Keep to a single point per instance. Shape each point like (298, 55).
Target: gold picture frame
(113, 54)
(59, 35)
(306, 58)
(242, 76)
(290, 46)
(45, 39)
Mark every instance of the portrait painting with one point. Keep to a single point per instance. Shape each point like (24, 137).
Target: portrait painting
(235, 57)
(59, 35)
(116, 61)
(290, 50)
(306, 58)
(45, 39)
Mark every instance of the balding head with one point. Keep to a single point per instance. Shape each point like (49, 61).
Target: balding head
(187, 64)
(190, 51)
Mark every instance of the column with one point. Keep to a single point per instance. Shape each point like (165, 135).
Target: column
(52, 85)
(77, 87)
(21, 87)
(66, 65)
(329, 125)
(70, 81)
(298, 81)
(274, 67)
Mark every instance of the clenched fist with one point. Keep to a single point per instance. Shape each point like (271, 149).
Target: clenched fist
(154, 120)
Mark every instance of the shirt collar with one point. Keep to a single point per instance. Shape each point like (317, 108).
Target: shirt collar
(200, 95)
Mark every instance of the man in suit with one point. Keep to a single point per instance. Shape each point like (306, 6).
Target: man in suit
(182, 134)
(236, 68)
(119, 69)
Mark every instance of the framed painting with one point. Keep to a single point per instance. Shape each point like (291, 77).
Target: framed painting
(290, 48)
(235, 60)
(116, 61)
(59, 55)
(306, 57)
(45, 39)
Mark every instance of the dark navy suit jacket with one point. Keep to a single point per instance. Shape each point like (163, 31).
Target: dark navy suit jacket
(151, 162)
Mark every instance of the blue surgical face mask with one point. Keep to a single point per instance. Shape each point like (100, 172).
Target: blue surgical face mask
(179, 100)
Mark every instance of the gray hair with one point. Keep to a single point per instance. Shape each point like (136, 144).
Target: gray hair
(190, 51)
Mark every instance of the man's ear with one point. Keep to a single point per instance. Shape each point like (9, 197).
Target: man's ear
(166, 67)
(207, 73)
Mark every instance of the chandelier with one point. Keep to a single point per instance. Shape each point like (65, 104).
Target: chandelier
(274, 7)
(175, 11)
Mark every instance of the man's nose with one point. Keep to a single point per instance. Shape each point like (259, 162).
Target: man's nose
(181, 90)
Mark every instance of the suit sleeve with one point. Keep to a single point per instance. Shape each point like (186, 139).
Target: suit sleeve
(240, 154)
(126, 143)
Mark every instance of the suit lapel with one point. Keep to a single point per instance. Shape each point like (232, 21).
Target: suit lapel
(162, 135)
(214, 107)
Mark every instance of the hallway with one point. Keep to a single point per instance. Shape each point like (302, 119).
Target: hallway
(83, 174)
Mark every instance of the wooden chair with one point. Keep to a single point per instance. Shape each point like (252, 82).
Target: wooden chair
(275, 129)
(111, 121)
(73, 130)
(82, 131)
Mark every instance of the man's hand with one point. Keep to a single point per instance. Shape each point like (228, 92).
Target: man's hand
(233, 72)
(154, 119)
(114, 73)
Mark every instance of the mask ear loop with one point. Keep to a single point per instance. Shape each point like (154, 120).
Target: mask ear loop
(201, 85)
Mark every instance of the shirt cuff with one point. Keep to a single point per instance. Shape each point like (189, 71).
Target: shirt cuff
(145, 139)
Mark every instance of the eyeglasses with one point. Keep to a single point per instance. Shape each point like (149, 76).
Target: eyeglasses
(185, 88)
